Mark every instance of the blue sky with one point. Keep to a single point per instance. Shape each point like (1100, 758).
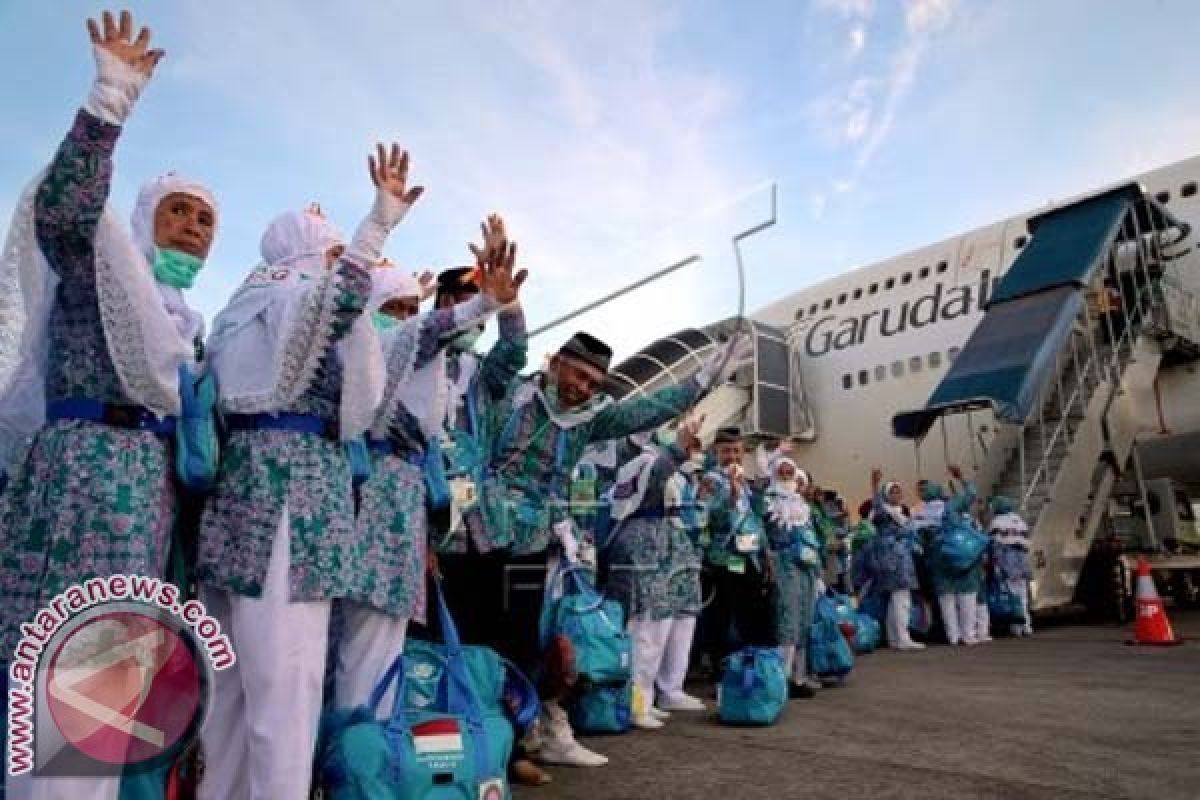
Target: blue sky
(619, 137)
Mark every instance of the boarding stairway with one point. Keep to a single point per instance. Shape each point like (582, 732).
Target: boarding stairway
(1067, 351)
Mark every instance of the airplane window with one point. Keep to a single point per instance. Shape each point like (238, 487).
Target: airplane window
(924, 273)
(1188, 189)
(1020, 241)
(1163, 197)
(906, 278)
(857, 293)
(799, 314)
(842, 299)
(812, 309)
(942, 267)
(914, 364)
(827, 303)
(889, 283)
(863, 377)
(847, 381)
(897, 369)
(880, 373)
(873, 288)
(935, 360)
(952, 353)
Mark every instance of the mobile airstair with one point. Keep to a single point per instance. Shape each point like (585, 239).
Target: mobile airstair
(1069, 347)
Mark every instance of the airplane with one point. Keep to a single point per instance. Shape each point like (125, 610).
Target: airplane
(838, 364)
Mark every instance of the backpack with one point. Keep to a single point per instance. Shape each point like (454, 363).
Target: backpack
(446, 737)
(959, 547)
(753, 688)
(603, 708)
(1005, 607)
(594, 626)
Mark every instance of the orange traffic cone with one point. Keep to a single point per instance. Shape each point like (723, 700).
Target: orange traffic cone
(1152, 626)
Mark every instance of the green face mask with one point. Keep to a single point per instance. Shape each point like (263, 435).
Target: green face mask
(176, 268)
(384, 321)
(466, 340)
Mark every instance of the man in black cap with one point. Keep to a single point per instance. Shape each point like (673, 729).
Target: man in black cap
(537, 436)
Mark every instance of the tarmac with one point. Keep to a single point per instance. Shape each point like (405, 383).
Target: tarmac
(1071, 713)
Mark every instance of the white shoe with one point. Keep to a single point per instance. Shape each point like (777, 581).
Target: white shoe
(658, 713)
(646, 722)
(984, 639)
(682, 702)
(970, 642)
(908, 646)
(569, 754)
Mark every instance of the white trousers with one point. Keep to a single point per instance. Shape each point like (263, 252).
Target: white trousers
(649, 644)
(983, 620)
(899, 610)
(261, 734)
(673, 671)
(795, 662)
(958, 616)
(369, 645)
(1020, 586)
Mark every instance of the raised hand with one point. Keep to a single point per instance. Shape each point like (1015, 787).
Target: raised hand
(389, 173)
(955, 471)
(494, 263)
(876, 477)
(428, 284)
(116, 38)
(687, 438)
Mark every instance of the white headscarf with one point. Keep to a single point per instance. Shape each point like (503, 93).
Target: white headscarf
(268, 342)
(895, 512)
(390, 282)
(785, 507)
(149, 329)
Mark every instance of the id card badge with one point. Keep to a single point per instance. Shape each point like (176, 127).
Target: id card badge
(587, 554)
(736, 565)
(462, 499)
(747, 542)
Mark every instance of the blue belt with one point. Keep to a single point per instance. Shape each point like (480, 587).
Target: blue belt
(134, 418)
(391, 448)
(293, 423)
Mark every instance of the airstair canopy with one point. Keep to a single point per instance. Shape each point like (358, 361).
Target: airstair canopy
(1011, 354)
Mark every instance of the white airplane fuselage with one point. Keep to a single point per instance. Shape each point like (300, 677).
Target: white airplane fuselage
(877, 340)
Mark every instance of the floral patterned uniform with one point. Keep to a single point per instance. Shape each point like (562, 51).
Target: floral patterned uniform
(524, 491)
(889, 562)
(639, 553)
(88, 500)
(687, 522)
(262, 471)
(796, 557)
(392, 514)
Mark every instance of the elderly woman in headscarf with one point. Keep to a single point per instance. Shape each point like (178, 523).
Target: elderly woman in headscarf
(1010, 556)
(391, 524)
(94, 345)
(796, 555)
(301, 374)
(638, 555)
(893, 572)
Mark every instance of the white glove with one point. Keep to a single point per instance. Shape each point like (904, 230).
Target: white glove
(115, 89)
(723, 361)
(566, 537)
(386, 213)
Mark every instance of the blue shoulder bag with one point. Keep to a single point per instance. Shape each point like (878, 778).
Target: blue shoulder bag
(595, 627)
(196, 446)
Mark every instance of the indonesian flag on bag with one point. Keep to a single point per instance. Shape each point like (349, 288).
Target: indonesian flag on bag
(437, 737)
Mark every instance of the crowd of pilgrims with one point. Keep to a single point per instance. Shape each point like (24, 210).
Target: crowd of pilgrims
(336, 390)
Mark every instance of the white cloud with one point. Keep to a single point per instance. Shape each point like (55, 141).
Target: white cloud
(593, 144)
(927, 16)
(858, 40)
(816, 204)
(854, 9)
